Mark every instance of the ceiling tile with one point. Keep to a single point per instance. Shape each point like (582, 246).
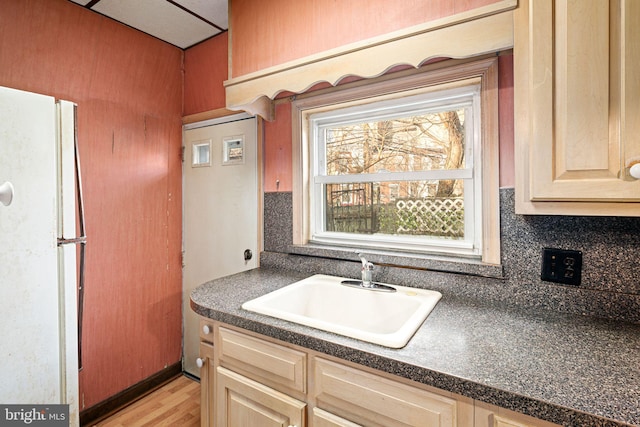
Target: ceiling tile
(215, 11)
(160, 19)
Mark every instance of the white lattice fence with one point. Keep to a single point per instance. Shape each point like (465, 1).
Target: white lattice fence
(438, 217)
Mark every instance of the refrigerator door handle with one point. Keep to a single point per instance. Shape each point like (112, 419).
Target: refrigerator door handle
(6, 193)
(81, 239)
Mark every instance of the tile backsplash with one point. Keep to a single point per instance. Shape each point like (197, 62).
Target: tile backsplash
(610, 284)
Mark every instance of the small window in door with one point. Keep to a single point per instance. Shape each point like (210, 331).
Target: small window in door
(233, 150)
(201, 154)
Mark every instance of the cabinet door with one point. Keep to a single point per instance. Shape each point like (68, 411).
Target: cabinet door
(576, 110)
(207, 384)
(242, 402)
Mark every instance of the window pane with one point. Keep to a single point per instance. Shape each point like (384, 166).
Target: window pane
(410, 143)
(412, 208)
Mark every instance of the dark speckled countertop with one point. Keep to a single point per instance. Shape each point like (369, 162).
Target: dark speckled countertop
(568, 369)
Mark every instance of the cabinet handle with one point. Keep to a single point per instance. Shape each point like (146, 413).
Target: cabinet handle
(633, 166)
(6, 193)
(200, 362)
(206, 329)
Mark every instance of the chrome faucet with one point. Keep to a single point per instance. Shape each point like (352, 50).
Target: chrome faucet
(367, 278)
(367, 272)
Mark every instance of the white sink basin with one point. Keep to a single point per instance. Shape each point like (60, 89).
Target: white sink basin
(385, 318)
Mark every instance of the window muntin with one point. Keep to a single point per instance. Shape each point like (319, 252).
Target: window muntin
(399, 173)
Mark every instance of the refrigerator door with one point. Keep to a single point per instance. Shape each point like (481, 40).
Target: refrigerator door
(35, 350)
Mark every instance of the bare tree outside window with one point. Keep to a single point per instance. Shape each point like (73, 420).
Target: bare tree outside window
(416, 143)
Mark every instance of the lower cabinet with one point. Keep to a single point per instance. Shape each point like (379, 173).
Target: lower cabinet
(254, 381)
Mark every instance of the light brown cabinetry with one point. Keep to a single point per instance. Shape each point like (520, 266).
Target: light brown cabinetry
(272, 364)
(258, 383)
(251, 380)
(207, 372)
(243, 402)
(577, 116)
(373, 400)
(492, 416)
(322, 418)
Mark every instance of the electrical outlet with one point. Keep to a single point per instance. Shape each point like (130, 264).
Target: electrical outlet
(561, 266)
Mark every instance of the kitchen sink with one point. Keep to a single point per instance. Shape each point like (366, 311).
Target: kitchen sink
(386, 318)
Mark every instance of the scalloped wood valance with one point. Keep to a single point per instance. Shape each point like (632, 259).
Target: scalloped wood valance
(475, 32)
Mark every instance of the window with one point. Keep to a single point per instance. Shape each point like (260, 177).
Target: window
(398, 173)
(405, 165)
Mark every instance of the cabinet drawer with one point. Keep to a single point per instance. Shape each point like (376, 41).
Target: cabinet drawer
(374, 401)
(492, 416)
(275, 365)
(206, 330)
(326, 419)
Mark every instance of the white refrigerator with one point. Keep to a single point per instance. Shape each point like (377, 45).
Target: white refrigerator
(39, 228)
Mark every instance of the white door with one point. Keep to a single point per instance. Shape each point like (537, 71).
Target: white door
(30, 368)
(221, 212)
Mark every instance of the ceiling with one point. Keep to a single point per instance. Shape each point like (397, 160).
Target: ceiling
(182, 23)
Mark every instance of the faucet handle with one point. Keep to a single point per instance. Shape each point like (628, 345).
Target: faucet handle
(367, 268)
(366, 265)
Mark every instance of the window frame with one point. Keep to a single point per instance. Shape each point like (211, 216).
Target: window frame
(467, 96)
(440, 76)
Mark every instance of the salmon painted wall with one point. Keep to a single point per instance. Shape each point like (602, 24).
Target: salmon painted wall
(277, 152)
(205, 68)
(128, 88)
(267, 33)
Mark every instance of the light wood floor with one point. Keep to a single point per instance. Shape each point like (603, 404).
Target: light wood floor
(177, 403)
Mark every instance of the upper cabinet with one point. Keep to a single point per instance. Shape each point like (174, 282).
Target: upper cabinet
(577, 108)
